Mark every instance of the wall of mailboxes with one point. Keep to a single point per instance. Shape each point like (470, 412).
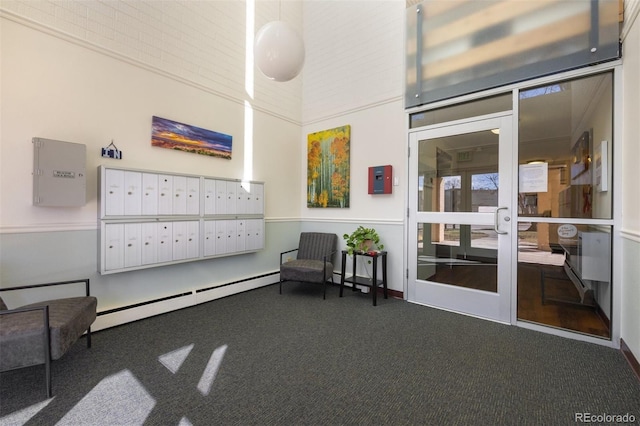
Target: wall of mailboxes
(150, 218)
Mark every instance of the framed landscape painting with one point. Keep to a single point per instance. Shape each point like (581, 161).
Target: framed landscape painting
(183, 137)
(328, 170)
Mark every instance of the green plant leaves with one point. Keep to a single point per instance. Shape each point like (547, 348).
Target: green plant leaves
(356, 240)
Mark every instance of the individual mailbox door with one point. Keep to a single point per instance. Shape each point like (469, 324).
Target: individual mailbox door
(165, 194)
(179, 240)
(193, 239)
(254, 234)
(165, 242)
(132, 245)
(149, 194)
(221, 197)
(249, 232)
(209, 244)
(232, 237)
(257, 198)
(193, 196)
(180, 195)
(209, 196)
(114, 192)
(250, 189)
(242, 196)
(241, 237)
(149, 243)
(259, 234)
(114, 246)
(221, 236)
(132, 193)
(232, 189)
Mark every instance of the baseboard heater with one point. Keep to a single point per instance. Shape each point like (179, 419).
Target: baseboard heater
(137, 311)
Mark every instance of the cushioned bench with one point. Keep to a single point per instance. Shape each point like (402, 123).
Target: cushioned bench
(59, 322)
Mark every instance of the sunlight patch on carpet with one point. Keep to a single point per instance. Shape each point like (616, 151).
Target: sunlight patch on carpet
(174, 359)
(23, 416)
(117, 400)
(209, 374)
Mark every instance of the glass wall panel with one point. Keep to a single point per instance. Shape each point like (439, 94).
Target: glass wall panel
(458, 47)
(565, 162)
(564, 276)
(460, 111)
(565, 149)
(446, 255)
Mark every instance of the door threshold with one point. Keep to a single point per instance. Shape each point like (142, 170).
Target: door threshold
(568, 334)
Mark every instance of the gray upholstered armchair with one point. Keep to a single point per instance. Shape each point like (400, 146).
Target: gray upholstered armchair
(314, 262)
(41, 332)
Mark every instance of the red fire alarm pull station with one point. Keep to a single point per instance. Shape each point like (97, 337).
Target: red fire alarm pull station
(380, 180)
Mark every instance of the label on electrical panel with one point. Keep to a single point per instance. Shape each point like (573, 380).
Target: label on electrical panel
(64, 174)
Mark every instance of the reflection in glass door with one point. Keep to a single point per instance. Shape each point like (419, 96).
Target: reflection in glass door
(566, 222)
(459, 217)
(488, 219)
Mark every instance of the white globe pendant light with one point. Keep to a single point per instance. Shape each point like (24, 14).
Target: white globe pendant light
(278, 51)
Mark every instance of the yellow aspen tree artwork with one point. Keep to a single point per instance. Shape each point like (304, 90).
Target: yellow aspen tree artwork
(328, 168)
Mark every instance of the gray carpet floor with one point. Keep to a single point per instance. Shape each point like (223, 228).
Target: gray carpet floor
(260, 358)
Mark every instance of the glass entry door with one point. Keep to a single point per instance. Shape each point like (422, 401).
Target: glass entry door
(461, 219)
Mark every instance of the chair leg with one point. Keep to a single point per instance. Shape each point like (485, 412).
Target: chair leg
(47, 352)
(47, 369)
(324, 287)
(280, 286)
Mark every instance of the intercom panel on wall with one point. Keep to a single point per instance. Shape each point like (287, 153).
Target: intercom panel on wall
(59, 173)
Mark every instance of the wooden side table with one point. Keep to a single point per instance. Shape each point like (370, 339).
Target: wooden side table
(374, 282)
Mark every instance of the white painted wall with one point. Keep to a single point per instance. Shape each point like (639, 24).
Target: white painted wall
(92, 71)
(354, 75)
(58, 90)
(377, 138)
(64, 88)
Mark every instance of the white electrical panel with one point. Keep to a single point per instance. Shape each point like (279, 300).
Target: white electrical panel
(150, 219)
(59, 173)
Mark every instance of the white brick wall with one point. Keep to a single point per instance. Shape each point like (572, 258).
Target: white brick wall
(354, 49)
(202, 42)
(355, 55)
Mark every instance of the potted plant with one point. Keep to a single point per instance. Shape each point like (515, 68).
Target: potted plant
(362, 240)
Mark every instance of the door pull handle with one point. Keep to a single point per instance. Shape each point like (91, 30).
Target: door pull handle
(497, 220)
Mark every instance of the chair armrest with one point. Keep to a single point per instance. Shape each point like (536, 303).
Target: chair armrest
(46, 337)
(329, 256)
(25, 287)
(284, 252)
(324, 270)
(19, 310)
(45, 323)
